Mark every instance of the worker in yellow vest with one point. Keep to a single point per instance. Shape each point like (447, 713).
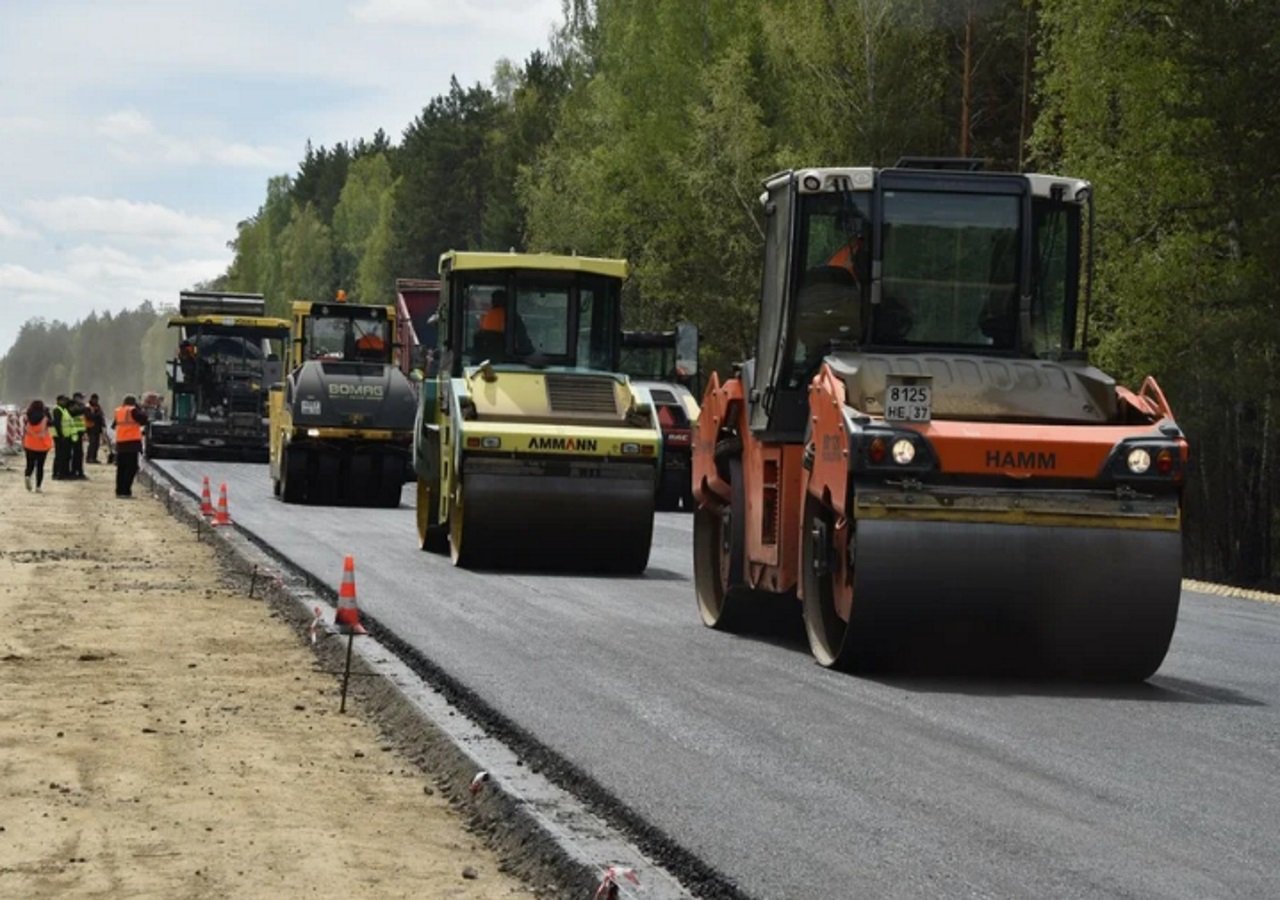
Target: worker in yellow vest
(64, 427)
(75, 466)
(128, 424)
(37, 441)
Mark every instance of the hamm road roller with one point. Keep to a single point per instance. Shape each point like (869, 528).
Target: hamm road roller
(342, 420)
(530, 448)
(920, 451)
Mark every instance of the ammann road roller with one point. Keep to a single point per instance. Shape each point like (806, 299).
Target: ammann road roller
(920, 451)
(530, 448)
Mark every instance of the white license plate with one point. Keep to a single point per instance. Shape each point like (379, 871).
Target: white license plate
(311, 407)
(908, 403)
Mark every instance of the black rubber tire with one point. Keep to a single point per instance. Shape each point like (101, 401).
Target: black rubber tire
(390, 480)
(293, 476)
(326, 486)
(719, 560)
(361, 479)
(833, 642)
(460, 550)
(432, 536)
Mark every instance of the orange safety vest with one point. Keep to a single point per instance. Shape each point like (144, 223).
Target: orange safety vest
(37, 437)
(126, 428)
(494, 320)
(847, 257)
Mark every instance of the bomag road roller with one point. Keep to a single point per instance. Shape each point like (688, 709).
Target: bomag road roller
(228, 357)
(531, 449)
(919, 449)
(342, 420)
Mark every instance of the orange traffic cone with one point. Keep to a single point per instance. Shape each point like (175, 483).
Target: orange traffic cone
(206, 501)
(222, 518)
(347, 618)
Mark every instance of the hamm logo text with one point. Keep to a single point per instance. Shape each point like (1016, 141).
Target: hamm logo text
(1021, 459)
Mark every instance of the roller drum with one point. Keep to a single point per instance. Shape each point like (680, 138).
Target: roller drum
(558, 521)
(1092, 602)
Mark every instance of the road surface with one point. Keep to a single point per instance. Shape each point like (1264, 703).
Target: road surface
(793, 781)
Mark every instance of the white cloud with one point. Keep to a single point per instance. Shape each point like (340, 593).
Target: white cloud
(156, 278)
(11, 229)
(21, 280)
(485, 15)
(95, 215)
(134, 138)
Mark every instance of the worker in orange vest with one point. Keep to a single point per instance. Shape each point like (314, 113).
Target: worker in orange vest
(37, 441)
(496, 317)
(128, 424)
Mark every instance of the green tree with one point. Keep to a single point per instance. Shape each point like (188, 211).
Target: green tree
(361, 207)
(445, 169)
(306, 257)
(1158, 104)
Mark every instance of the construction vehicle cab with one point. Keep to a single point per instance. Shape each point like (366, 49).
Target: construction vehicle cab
(530, 447)
(665, 365)
(341, 420)
(920, 444)
(228, 356)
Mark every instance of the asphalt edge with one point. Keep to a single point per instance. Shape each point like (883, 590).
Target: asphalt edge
(1228, 590)
(524, 832)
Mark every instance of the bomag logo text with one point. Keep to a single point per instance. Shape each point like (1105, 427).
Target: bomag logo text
(587, 445)
(356, 391)
(1021, 459)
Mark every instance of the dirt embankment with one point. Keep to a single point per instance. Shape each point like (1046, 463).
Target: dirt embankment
(163, 735)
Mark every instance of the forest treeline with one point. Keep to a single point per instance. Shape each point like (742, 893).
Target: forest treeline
(645, 127)
(106, 354)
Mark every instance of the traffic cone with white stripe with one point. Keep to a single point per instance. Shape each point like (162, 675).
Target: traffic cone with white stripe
(347, 618)
(206, 501)
(222, 517)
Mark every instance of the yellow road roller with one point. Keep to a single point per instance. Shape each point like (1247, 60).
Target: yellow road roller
(530, 448)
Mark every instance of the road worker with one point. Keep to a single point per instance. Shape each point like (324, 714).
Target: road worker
(37, 441)
(75, 465)
(95, 421)
(63, 429)
(128, 424)
(495, 319)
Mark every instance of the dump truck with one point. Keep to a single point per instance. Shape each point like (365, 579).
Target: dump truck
(342, 420)
(920, 451)
(530, 447)
(228, 356)
(417, 300)
(665, 364)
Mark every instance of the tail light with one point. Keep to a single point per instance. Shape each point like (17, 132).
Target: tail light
(1146, 461)
(885, 449)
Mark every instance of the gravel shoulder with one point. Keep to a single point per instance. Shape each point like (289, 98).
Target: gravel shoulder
(164, 735)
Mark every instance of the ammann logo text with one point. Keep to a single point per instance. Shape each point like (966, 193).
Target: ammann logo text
(1021, 459)
(587, 445)
(358, 391)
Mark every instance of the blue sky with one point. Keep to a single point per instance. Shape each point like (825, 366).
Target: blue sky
(134, 134)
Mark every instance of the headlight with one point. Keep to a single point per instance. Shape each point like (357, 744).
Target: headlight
(903, 452)
(1138, 460)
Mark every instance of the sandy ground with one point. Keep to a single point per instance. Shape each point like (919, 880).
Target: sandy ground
(163, 735)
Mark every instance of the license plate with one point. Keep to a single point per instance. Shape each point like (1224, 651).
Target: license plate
(908, 403)
(311, 407)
